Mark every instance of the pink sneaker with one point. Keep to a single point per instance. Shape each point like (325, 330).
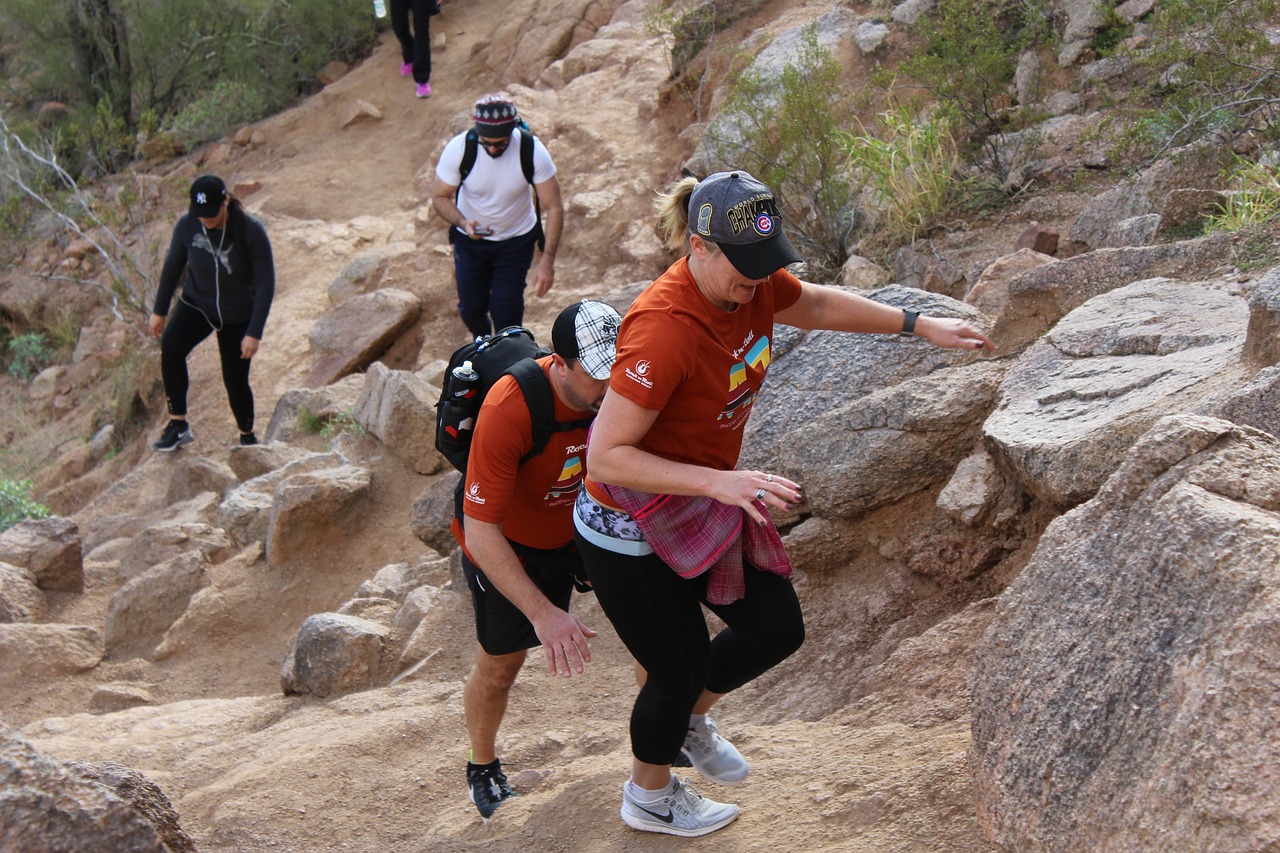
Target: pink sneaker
(406, 69)
(424, 90)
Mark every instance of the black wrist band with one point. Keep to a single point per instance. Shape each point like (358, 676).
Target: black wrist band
(909, 322)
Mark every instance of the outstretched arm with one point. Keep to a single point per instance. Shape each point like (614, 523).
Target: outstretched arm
(830, 308)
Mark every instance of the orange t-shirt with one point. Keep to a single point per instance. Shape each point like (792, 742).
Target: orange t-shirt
(533, 502)
(698, 366)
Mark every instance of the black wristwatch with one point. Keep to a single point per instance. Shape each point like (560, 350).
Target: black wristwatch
(909, 322)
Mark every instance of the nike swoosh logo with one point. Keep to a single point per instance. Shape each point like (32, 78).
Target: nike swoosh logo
(665, 818)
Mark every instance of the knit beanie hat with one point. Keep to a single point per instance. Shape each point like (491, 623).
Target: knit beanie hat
(495, 115)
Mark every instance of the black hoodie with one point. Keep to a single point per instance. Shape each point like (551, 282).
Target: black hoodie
(230, 278)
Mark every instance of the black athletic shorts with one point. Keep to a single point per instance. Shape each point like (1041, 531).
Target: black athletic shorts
(500, 626)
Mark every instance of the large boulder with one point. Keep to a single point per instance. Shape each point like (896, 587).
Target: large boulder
(365, 271)
(1145, 193)
(20, 599)
(143, 795)
(47, 650)
(350, 337)
(245, 512)
(398, 408)
(1034, 301)
(1256, 404)
(195, 475)
(312, 509)
(1263, 344)
(432, 513)
(145, 607)
(816, 374)
(163, 542)
(1076, 401)
(1125, 693)
(878, 449)
(50, 549)
(47, 807)
(324, 405)
(334, 653)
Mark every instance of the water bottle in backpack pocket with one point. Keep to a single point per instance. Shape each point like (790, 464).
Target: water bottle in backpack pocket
(458, 409)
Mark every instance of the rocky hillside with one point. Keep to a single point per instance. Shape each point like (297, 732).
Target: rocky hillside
(1038, 586)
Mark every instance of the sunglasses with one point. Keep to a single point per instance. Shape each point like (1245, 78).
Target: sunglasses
(495, 145)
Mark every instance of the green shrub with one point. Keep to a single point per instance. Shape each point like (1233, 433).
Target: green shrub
(1209, 73)
(911, 169)
(28, 355)
(225, 106)
(343, 423)
(789, 132)
(967, 57)
(309, 422)
(16, 503)
(1253, 198)
(141, 63)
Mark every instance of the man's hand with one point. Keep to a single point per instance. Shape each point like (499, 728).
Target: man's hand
(564, 640)
(544, 275)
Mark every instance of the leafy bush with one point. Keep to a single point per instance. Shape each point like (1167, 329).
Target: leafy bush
(1210, 72)
(788, 131)
(129, 58)
(226, 106)
(28, 355)
(16, 503)
(911, 170)
(1253, 198)
(967, 57)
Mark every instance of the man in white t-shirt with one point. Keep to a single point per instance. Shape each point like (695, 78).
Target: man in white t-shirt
(493, 224)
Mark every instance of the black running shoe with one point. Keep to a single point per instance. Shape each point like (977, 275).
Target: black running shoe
(487, 787)
(248, 439)
(176, 434)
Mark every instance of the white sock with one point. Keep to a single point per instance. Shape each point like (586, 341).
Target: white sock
(645, 795)
(696, 720)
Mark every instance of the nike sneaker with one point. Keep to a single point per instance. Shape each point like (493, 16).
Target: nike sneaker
(681, 811)
(712, 755)
(176, 434)
(487, 787)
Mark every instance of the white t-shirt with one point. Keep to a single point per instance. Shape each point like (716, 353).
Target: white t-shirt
(495, 193)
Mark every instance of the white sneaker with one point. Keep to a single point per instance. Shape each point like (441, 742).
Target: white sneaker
(713, 756)
(682, 811)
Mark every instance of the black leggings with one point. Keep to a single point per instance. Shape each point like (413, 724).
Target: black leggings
(658, 616)
(184, 330)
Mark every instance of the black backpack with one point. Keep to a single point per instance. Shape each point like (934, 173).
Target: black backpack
(471, 147)
(513, 351)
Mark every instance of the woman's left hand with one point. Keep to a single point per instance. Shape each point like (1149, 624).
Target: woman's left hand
(952, 333)
(750, 489)
(248, 347)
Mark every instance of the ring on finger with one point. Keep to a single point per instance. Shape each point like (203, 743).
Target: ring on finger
(759, 494)
(769, 478)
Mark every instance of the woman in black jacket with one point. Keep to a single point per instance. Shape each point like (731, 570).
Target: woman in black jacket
(229, 285)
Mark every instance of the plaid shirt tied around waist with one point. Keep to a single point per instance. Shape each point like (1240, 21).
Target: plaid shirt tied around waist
(693, 534)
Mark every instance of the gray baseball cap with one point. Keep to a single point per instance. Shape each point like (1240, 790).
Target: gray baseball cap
(738, 213)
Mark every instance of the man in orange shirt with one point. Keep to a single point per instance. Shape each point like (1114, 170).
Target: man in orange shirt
(518, 525)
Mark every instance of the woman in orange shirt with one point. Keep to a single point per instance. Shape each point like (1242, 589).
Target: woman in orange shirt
(666, 523)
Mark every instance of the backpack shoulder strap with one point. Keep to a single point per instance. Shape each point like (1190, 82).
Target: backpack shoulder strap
(537, 396)
(526, 165)
(470, 146)
(526, 155)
